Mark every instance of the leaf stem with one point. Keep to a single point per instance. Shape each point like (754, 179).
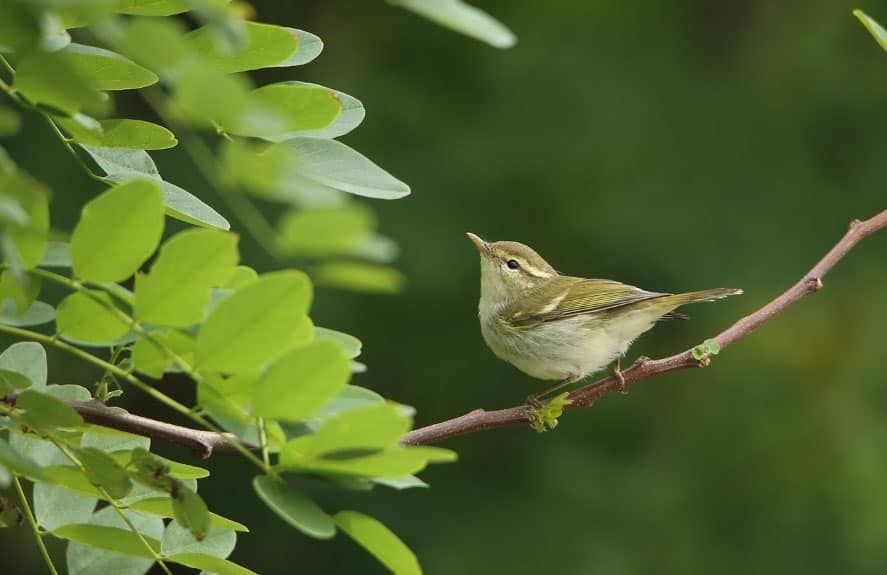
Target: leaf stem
(146, 388)
(263, 441)
(250, 216)
(26, 507)
(112, 501)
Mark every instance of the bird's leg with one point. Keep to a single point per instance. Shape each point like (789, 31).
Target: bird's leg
(535, 400)
(617, 372)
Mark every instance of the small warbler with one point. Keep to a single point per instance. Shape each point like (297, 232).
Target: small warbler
(559, 327)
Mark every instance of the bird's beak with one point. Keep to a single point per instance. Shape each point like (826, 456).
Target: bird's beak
(482, 246)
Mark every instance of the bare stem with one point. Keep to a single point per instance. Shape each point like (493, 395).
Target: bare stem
(32, 521)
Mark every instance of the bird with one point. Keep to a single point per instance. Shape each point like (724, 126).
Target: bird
(557, 327)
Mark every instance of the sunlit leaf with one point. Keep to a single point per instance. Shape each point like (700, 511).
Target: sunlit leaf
(188, 208)
(255, 324)
(104, 471)
(177, 289)
(301, 381)
(263, 46)
(91, 560)
(109, 538)
(88, 316)
(349, 344)
(118, 231)
(876, 30)
(27, 358)
(47, 78)
(359, 276)
(14, 461)
(162, 506)
(55, 506)
(178, 539)
(365, 428)
(351, 115)
(462, 18)
(123, 133)
(106, 70)
(277, 110)
(325, 232)
(387, 547)
(210, 564)
(27, 229)
(294, 507)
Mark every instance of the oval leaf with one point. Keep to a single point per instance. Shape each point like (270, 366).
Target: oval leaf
(463, 18)
(277, 110)
(301, 382)
(88, 317)
(107, 70)
(380, 541)
(294, 507)
(118, 231)
(38, 313)
(254, 324)
(123, 133)
(262, 46)
(190, 264)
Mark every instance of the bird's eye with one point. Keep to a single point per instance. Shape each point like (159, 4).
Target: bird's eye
(512, 264)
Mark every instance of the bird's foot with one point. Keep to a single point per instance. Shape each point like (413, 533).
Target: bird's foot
(617, 373)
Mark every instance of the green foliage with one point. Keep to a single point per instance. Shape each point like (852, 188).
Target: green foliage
(705, 350)
(378, 540)
(263, 372)
(463, 18)
(876, 30)
(118, 231)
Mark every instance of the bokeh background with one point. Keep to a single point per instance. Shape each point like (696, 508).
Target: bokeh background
(675, 145)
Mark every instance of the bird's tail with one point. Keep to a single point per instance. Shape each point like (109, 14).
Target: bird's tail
(680, 299)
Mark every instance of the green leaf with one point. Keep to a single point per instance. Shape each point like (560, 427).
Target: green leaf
(294, 507)
(11, 381)
(134, 134)
(18, 463)
(118, 231)
(392, 462)
(85, 317)
(44, 410)
(400, 483)
(359, 276)
(191, 512)
(26, 230)
(178, 539)
(698, 352)
(9, 121)
(27, 358)
(353, 396)
(349, 344)
(333, 164)
(107, 70)
(188, 208)
(255, 324)
(713, 346)
(210, 564)
(112, 440)
(109, 538)
(56, 506)
(48, 79)
(302, 168)
(162, 507)
(379, 541)
(351, 116)
(876, 30)
(19, 289)
(190, 264)
(463, 18)
(263, 46)
(300, 382)
(240, 277)
(39, 313)
(149, 358)
(104, 471)
(122, 164)
(57, 255)
(326, 232)
(151, 7)
(365, 428)
(90, 560)
(277, 110)
(205, 97)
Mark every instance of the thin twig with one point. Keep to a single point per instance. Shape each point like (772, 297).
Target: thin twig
(646, 368)
(32, 521)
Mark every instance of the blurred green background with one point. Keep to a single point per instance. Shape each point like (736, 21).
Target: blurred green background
(674, 145)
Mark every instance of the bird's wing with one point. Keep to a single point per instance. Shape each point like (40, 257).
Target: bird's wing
(585, 296)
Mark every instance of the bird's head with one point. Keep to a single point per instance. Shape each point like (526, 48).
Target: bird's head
(509, 269)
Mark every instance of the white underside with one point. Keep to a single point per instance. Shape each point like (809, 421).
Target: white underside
(567, 348)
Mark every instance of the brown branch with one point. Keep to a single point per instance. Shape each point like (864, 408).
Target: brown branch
(645, 368)
(201, 442)
(204, 443)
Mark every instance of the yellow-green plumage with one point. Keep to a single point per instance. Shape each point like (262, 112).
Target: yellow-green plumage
(552, 326)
